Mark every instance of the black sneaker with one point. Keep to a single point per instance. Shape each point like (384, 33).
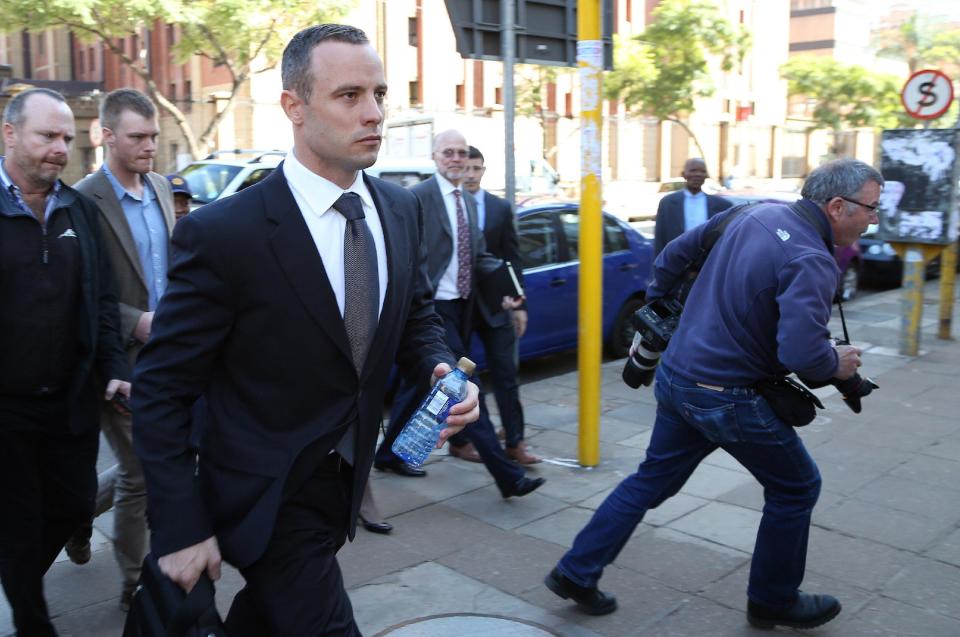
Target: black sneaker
(592, 601)
(809, 611)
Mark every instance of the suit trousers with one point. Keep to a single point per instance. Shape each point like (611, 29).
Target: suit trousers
(295, 588)
(48, 480)
(122, 486)
(480, 433)
(500, 347)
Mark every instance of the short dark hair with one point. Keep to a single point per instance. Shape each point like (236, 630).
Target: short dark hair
(839, 178)
(13, 113)
(474, 153)
(295, 67)
(124, 99)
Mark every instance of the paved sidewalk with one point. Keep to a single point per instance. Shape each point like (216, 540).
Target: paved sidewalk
(462, 561)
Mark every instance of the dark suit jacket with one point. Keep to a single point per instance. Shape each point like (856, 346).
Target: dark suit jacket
(249, 320)
(120, 248)
(101, 356)
(438, 241)
(669, 224)
(500, 233)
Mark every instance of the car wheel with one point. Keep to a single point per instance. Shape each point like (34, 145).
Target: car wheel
(850, 281)
(621, 337)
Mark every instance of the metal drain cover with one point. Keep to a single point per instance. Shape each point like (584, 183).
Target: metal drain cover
(462, 624)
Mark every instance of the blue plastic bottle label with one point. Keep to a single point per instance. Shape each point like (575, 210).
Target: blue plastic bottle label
(437, 403)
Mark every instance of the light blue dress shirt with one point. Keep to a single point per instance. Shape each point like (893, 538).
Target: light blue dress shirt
(149, 230)
(481, 208)
(694, 209)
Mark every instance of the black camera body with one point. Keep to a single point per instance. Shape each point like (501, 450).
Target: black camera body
(852, 389)
(655, 323)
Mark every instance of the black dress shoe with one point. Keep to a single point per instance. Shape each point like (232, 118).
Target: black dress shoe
(400, 467)
(592, 600)
(522, 487)
(382, 528)
(809, 611)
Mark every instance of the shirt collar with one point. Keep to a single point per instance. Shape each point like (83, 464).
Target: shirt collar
(13, 189)
(690, 195)
(445, 186)
(323, 193)
(120, 191)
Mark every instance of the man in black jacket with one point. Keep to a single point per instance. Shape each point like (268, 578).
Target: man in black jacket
(59, 350)
(688, 208)
(499, 329)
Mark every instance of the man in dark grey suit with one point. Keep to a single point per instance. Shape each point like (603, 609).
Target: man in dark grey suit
(688, 208)
(499, 329)
(456, 257)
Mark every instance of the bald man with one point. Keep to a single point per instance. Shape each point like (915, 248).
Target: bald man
(688, 208)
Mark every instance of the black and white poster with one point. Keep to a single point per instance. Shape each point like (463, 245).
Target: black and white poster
(915, 205)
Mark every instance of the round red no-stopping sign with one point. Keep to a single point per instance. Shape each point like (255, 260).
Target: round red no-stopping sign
(927, 94)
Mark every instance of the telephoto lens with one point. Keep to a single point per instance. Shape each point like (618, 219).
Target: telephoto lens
(641, 364)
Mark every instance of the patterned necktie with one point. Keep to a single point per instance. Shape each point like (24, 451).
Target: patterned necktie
(361, 281)
(464, 262)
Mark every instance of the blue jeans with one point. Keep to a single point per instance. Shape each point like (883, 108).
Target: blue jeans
(692, 421)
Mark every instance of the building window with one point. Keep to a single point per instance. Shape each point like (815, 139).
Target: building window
(42, 44)
(461, 96)
(187, 95)
(81, 66)
(171, 35)
(414, 93)
(568, 105)
(412, 39)
(629, 10)
(498, 95)
(172, 91)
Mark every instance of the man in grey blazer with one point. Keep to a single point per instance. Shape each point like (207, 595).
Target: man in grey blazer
(687, 208)
(456, 258)
(136, 219)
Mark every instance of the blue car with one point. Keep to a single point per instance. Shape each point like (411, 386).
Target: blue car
(548, 235)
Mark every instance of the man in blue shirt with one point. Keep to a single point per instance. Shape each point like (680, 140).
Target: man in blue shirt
(136, 217)
(687, 208)
(758, 310)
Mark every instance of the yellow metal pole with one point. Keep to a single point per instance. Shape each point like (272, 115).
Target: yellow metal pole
(915, 257)
(948, 278)
(590, 65)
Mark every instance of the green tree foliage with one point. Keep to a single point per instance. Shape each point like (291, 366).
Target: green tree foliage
(846, 95)
(243, 37)
(664, 69)
(921, 43)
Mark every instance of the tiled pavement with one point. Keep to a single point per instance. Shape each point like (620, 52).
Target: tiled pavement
(464, 562)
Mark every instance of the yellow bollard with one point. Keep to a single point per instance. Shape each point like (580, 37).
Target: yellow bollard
(915, 257)
(948, 278)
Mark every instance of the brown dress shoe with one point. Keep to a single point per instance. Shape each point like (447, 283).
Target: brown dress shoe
(466, 452)
(521, 455)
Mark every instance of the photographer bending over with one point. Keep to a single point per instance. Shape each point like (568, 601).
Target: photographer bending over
(759, 310)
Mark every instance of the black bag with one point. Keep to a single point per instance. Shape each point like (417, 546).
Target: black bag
(793, 403)
(160, 608)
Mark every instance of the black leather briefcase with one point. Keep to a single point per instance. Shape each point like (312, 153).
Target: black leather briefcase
(160, 608)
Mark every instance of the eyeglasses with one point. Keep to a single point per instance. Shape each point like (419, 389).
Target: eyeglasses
(860, 203)
(448, 153)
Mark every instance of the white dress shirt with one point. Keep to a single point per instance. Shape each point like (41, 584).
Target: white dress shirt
(694, 209)
(315, 196)
(447, 287)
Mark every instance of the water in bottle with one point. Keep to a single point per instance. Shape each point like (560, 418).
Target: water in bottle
(420, 434)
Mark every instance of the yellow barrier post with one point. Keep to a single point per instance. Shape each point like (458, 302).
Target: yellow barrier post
(915, 257)
(590, 65)
(948, 278)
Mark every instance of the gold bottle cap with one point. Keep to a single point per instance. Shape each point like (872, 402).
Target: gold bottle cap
(466, 365)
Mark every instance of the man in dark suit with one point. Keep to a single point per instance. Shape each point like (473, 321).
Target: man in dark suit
(687, 208)
(456, 259)
(136, 218)
(60, 350)
(499, 329)
(286, 307)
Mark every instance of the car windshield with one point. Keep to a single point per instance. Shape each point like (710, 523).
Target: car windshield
(207, 181)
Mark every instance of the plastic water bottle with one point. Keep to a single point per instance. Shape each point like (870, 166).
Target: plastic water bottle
(420, 434)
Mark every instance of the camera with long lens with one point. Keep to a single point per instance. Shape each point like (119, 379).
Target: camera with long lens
(654, 323)
(852, 389)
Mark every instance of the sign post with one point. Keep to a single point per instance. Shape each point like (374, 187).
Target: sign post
(918, 207)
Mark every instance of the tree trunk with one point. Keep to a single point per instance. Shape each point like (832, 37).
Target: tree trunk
(696, 141)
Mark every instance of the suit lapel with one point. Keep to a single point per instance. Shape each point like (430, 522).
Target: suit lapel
(297, 256)
(441, 207)
(111, 210)
(159, 185)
